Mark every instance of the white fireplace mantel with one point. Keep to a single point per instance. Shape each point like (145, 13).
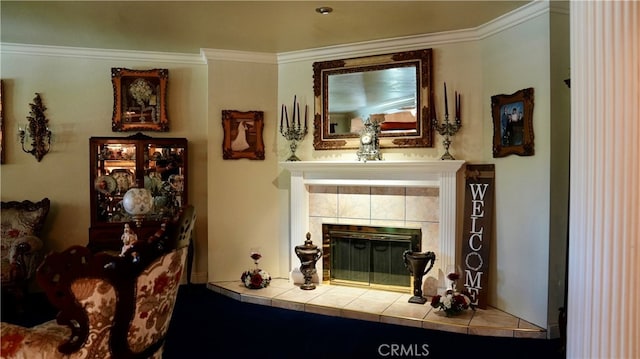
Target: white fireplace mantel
(436, 173)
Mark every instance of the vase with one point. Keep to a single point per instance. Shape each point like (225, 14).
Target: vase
(416, 263)
(308, 253)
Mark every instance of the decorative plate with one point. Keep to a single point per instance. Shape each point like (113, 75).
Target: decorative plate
(124, 179)
(105, 184)
(152, 183)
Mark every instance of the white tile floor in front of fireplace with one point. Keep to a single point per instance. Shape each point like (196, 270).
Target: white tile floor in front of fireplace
(379, 306)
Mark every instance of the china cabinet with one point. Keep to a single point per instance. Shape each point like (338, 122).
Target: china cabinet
(120, 163)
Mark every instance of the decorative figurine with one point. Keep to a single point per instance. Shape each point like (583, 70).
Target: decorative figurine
(128, 239)
(309, 254)
(416, 263)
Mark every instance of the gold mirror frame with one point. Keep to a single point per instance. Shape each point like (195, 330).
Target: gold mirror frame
(421, 137)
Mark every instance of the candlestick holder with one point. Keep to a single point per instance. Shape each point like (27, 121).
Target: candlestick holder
(294, 132)
(446, 129)
(293, 135)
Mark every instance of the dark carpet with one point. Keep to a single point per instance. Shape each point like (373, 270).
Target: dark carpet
(209, 325)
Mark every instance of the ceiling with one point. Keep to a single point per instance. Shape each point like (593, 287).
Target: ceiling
(256, 26)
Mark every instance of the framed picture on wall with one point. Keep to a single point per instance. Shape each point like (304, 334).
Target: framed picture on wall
(513, 123)
(139, 100)
(242, 135)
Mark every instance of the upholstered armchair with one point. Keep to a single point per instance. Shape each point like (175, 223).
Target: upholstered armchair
(110, 306)
(21, 249)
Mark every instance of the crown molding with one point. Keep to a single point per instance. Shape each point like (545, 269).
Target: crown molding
(239, 56)
(502, 23)
(102, 54)
(366, 48)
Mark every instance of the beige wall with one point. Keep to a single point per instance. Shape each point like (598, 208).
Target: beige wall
(76, 89)
(513, 60)
(502, 62)
(243, 204)
(242, 193)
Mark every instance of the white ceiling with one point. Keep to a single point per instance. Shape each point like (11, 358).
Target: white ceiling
(257, 26)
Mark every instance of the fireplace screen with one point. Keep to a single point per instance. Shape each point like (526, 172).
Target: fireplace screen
(368, 256)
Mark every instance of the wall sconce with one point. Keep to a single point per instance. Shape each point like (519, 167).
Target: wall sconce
(37, 130)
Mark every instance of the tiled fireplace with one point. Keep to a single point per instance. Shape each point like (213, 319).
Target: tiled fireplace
(409, 194)
(370, 256)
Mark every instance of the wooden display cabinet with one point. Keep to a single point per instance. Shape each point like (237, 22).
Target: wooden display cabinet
(120, 163)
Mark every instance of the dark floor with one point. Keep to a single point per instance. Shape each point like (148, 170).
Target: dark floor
(206, 325)
(216, 324)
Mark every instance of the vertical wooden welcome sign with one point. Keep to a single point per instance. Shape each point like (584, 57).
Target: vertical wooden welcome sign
(477, 229)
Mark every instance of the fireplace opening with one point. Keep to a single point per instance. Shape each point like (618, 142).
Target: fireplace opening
(368, 256)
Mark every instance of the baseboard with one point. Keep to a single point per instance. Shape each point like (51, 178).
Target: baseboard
(553, 331)
(196, 277)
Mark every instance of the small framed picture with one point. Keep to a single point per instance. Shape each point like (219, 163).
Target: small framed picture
(139, 100)
(513, 123)
(242, 135)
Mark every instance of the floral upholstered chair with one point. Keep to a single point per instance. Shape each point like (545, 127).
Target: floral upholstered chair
(21, 246)
(110, 306)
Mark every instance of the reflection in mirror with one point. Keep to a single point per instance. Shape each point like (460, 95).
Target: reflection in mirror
(394, 89)
(390, 94)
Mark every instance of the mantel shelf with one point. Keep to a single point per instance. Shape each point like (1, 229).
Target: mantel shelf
(373, 166)
(373, 173)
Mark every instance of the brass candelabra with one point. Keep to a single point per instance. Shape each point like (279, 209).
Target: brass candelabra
(294, 131)
(448, 129)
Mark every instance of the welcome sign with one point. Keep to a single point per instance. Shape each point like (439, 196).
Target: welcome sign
(477, 230)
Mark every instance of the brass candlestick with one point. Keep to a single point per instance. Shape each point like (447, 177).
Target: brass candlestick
(448, 129)
(294, 132)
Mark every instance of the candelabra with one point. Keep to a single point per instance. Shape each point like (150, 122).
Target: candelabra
(37, 130)
(448, 129)
(295, 131)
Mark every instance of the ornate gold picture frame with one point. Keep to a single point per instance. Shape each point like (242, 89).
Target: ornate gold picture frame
(139, 100)
(242, 135)
(513, 123)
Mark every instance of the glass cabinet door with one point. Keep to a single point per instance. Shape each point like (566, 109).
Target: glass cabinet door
(115, 173)
(164, 168)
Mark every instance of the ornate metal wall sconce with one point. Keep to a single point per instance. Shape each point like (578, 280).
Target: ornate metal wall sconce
(37, 130)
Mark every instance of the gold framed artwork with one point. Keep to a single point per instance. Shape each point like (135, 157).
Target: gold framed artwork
(139, 100)
(242, 135)
(513, 123)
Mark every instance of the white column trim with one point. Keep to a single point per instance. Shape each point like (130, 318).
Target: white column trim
(604, 234)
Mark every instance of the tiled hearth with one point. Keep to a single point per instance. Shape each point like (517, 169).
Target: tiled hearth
(379, 306)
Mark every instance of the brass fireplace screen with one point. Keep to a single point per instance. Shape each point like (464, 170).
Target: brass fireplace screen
(368, 256)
